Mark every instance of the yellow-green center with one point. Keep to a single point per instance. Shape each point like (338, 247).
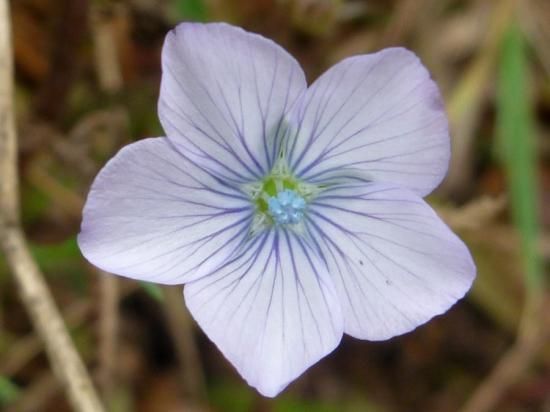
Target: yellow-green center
(280, 199)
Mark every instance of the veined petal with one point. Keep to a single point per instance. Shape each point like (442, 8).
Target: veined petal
(272, 310)
(153, 215)
(394, 262)
(223, 95)
(378, 117)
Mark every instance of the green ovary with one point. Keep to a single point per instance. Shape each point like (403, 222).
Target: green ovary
(271, 186)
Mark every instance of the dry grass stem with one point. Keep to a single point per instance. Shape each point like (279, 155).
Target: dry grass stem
(108, 332)
(65, 360)
(27, 348)
(474, 215)
(45, 316)
(467, 99)
(111, 82)
(533, 334)
(181, 326)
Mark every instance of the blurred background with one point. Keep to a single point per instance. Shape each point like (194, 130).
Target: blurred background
(87, 81)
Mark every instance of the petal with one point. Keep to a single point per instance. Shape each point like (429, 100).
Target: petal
(394, 262)
(223, 95)
(379, 117)
(272, 311)
(153, 215)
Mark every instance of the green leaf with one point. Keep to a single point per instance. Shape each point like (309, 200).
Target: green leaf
(228, 396)
(153, 290)
(8, 391)
(516, 134)
(57, 256)
(192, 10)
(60, 260)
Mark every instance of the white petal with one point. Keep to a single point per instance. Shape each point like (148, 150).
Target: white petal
(223, 95)
(153, 215)
(394, 262)
(379, 117)
(273, 311)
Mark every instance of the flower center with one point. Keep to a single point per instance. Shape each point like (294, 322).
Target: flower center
(287, 207)
(280, 199)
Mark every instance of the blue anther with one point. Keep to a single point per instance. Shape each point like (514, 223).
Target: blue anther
(287, 207)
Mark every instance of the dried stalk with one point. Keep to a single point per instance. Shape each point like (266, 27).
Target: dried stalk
(108, 333)
(46, 319)
(467, 100)
(66, 363)
(533, 334)
(110, 81)
(27, 348)
(181, 326)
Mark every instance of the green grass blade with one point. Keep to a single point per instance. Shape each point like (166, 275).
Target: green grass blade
(517, 148)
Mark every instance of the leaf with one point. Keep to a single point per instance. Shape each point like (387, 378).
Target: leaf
(517, 148)
(192, 9)
(8, 391)
(153, 290)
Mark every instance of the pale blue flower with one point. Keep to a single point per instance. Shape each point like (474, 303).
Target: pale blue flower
(293, 214)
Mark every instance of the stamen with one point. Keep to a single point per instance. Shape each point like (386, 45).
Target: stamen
(287, 207)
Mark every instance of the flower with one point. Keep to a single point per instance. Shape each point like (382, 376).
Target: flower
(292, 214)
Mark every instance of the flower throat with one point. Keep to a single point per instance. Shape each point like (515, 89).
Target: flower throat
(280, 198)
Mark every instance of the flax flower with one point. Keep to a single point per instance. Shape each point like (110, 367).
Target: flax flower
(292, 214)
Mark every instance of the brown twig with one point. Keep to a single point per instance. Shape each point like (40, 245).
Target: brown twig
(66, 363)
(532, 335)
(108, 333)
(533, 18)
(405, 18)
(475, 214)
(467, 100)
(70, 28)
(8, 148)
(45, 316)
(110, 81)
(181, 326)
(64, 199)
(28, 347)
(105, 48)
